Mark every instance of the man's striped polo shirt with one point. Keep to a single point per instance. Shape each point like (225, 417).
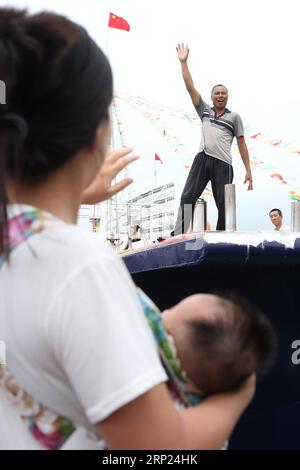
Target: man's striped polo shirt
(218, 132)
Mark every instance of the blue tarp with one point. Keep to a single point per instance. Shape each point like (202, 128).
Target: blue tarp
(265, 271)
(197, 251)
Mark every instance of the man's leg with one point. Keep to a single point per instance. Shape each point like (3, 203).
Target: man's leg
(195, 184)
(222, 174)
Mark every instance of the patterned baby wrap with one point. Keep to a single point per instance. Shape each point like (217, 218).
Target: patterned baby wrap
(179, 384)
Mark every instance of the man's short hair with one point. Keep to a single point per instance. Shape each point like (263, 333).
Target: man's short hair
(219, 84)
(278, 210)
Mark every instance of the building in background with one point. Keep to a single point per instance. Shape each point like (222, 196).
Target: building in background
(152, 211)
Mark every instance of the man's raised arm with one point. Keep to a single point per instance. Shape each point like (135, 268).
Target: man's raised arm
(183, 53)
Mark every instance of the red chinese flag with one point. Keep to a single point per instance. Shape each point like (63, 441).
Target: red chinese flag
(157, 158)
(118, 22)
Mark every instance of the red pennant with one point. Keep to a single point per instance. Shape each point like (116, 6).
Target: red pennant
(157, 158)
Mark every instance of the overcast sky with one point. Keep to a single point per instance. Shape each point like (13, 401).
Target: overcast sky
(252, 47)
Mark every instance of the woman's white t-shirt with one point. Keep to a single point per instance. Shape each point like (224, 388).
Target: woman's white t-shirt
(75, 335)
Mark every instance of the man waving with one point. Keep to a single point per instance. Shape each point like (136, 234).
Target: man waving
(213, 162)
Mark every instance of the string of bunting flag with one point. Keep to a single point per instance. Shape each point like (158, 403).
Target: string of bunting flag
(157, 115)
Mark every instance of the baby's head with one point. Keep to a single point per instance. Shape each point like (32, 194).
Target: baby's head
(220, 340)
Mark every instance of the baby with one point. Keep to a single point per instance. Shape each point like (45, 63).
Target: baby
(211, 343)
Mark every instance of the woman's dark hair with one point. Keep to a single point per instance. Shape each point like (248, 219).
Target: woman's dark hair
(58, 89)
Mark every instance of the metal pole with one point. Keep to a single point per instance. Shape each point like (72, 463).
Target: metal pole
(150, 218)
(129, 224)
(295, 216)
(117, 220)
(230, 208)
(200, 218)
(108, 222)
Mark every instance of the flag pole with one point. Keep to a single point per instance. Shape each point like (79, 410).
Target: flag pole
(109, 201)
(155, 174)
(152, 200)
(118, 23)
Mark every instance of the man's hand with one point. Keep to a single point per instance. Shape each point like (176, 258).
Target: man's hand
(248, 178)
(183, 52)
(101, 188)
(245, 157)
